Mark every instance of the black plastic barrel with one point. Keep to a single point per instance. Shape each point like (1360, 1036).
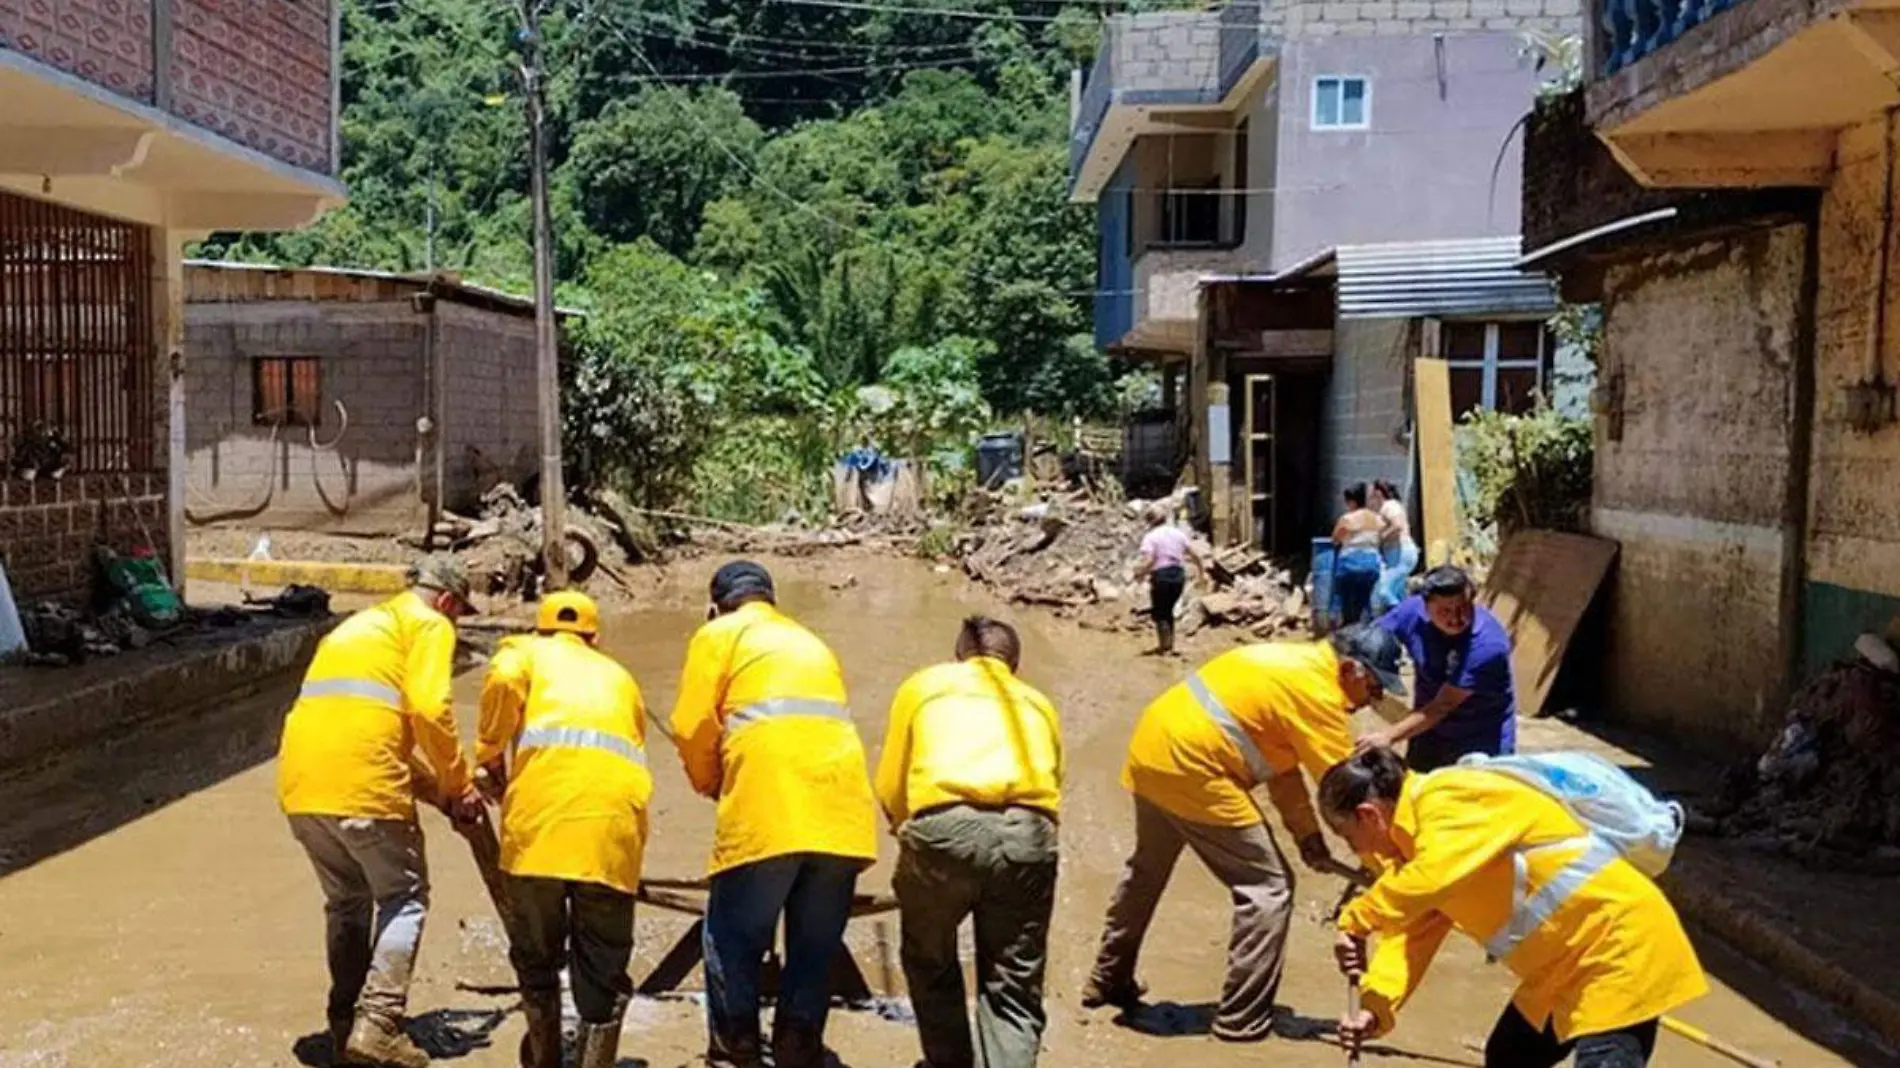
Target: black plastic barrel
(999, 458)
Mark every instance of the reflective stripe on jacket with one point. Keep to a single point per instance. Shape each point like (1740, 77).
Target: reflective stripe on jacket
(578, 785)
(1257, 715)
(763, 726)
(377, 689)
(969, 732)
(1609, 952)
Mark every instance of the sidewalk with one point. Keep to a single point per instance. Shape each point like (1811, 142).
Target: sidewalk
(1832, 933)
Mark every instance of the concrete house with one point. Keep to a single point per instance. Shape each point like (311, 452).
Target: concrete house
(1291, 151)
(1725, 183)
(127, 129)
(352, 401)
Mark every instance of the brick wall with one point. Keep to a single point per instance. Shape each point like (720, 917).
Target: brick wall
(1364, 18)
(108, 42)
(371, 358)
(1694, 483)
(48, 530)
(491, 422)
(1366, 417)
(257, 72)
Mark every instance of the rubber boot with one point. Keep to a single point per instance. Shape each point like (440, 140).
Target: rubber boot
(1164, 636)
(541, 1046)
(379, 1042)
(797, 1046)
(599, 1044)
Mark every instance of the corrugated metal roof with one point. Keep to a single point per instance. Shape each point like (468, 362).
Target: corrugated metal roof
(1439, 278)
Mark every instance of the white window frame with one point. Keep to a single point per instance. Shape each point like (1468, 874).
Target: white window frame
(1491, 364)
(1365, 117)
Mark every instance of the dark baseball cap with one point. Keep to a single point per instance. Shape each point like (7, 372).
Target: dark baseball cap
(1376, 650)
(738, 580)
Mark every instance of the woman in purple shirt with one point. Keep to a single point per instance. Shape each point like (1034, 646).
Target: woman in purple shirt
(1165, 550)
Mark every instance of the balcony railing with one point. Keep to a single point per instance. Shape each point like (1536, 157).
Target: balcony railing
(1633, 29)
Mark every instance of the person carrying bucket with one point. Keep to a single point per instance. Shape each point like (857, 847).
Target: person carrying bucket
(1548, 862)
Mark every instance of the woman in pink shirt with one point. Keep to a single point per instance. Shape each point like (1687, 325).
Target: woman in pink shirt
(1165, 551)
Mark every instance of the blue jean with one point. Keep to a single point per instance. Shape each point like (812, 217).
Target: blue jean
(1355, 573)
(1400, 561)
(813, 892)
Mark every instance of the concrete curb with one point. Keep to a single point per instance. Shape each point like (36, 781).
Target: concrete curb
(117, 699)
(1757, 936)
(276, 574)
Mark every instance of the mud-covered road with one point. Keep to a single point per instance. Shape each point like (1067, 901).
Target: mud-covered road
(155, 912)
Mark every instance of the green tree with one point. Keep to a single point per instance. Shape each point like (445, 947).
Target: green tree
(647, 166)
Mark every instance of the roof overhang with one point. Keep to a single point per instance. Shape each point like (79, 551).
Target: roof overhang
(1415, 279)
(1132, 114)
(81, 144)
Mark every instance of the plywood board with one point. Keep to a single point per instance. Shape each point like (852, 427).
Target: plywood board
(1539, 588)
(1437, 459)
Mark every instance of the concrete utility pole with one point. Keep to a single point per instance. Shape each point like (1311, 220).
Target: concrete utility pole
(546, 341)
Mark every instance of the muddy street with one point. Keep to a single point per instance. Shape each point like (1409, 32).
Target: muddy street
(155, 911)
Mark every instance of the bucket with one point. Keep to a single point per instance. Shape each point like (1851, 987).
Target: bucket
(999, 458)
(1324, 611)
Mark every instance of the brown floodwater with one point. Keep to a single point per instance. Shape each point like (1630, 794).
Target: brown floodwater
(154, 910)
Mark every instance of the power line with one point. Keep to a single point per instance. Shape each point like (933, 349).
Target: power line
(932, 64)
(903, 9)
(746, 37)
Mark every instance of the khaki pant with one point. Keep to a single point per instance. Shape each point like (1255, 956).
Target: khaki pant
(584, 927)
(1248, 861)
(1001, 866)
(376, 896)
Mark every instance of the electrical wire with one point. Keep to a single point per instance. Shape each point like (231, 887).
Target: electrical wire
(903, 9)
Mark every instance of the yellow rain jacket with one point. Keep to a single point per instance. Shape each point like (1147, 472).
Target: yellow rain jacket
(763, 726)
(969, 732)
(578, 785)
(1284, 696)
(377, 689)
(1613, 953)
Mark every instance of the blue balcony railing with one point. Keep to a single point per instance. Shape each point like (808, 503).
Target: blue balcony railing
(1633, 29)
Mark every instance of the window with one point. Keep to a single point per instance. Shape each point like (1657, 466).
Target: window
(1496, 366)
(1191, 215)
(286, 391)
(1341, 104)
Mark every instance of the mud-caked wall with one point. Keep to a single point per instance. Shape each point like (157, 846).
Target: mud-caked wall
(1692, 480)
(1854, 535)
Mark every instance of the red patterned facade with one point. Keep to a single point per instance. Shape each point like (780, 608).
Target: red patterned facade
(108, 42)
(255, 71)
(258, 72)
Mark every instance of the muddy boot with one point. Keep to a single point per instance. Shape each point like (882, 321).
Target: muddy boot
(599, 1044)
(736, 1050)
(797, 1046)
(1164, 638)
(541, 1046)
(379, 1042)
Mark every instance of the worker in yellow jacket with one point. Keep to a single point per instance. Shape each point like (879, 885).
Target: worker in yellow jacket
(1598, 949)
(1256, 716)
(375, 697)
(971, 776)
(763, 727)
(563, 742)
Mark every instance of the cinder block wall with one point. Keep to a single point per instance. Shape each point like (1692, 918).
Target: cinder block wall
(1368, 18)
(1366, 411)
(372, 359)
(490, 419)
(1854, 519)
(1695, 486)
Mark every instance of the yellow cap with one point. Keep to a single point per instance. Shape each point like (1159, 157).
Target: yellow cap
(568, 610)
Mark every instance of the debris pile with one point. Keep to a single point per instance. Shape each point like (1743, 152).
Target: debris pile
(1828, 789)
(1077, 555)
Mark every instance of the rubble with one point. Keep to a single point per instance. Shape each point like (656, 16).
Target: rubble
(1076, 554)
(1828, 789)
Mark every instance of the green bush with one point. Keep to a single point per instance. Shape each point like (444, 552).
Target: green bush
(1530, 471)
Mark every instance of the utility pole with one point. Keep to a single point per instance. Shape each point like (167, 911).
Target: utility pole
(546, 342)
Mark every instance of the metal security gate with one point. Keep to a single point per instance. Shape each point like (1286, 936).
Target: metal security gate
(76, 352)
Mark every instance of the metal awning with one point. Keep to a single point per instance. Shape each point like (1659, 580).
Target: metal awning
(1408, 279)
(1440, 278)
